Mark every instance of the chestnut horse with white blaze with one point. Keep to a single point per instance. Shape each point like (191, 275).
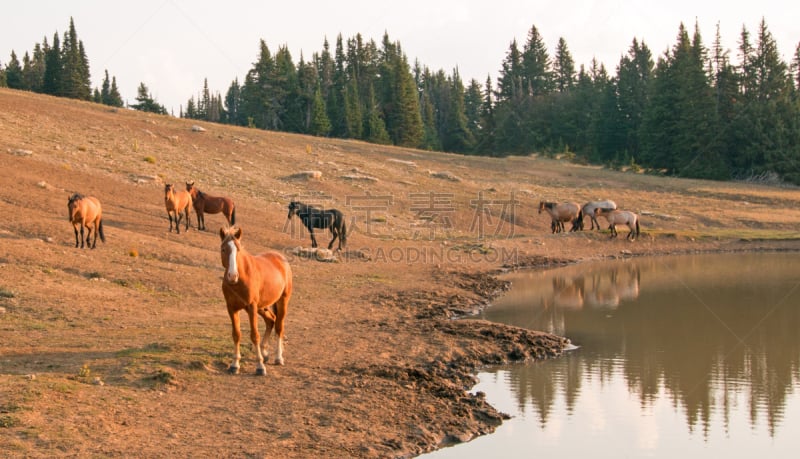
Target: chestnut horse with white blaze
(620, 217)
(85, 211)
(177, 203)
(258, 284)
(204, 203)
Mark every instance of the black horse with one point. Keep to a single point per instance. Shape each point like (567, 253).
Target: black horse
(314, 217)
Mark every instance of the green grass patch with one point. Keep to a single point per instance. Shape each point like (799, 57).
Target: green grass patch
(6, 293)
(744, 234)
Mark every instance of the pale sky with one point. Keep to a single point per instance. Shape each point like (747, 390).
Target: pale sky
(173, 45)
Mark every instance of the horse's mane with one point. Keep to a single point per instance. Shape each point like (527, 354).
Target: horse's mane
(75, 197)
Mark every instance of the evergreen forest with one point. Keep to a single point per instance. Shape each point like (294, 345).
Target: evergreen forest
(694, 110)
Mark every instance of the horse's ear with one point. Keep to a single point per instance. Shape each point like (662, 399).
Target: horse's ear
(222, 233)
(237, 233)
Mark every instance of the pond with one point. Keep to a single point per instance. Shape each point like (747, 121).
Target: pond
(691, 356)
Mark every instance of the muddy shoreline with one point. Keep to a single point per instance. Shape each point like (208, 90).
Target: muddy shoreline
(492, 344)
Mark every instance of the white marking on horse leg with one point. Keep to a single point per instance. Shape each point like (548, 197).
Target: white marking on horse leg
(279, 351)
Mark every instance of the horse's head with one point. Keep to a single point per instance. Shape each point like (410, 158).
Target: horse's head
(229, 249)
(294, 207)
(189, 186)
(72, 204)
(541, 206)
(168, 189)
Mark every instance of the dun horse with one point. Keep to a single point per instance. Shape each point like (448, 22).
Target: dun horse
(560, 213)
(177, 203)
(85, 211)
(260, 284)
(589, 207)
(314, 217)
(205, 203)
(620, 217)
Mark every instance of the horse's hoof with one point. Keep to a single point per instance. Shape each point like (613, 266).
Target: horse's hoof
(233, 370)
(278, 361)
(261, 371)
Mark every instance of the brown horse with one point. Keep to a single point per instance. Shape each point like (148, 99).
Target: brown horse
(260, 284)
(211, 205)
(560, 213)
(620, 217)
(177, 203)
(84, 211)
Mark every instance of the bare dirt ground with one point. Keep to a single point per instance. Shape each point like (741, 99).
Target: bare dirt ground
(122, 350)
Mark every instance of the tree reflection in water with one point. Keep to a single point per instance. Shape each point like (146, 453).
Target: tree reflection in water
(704, 331)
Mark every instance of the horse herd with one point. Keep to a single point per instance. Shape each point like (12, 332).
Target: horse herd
(261, 285)
(258, 284)
(561, 213)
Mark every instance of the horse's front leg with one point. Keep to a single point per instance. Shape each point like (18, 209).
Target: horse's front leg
(82, 235)
(169, 215)
(237, 336)
(335, 235)
(255, 339)
(75, 228)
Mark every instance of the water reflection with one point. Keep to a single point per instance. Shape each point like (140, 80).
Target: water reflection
(711, 341)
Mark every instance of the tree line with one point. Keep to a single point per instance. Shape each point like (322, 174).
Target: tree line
(693, 111)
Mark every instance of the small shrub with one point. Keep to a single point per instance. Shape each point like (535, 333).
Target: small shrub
(85, 371)
(6, 293)
(150, 159)
(133, 253)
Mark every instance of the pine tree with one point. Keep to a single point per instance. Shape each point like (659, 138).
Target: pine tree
(53, 73)
(233, 102)
(320, 124)
(509, 84)
(14, 79)
(114, 97)
(33, 72)
(485, 142)
(75, 82)
(563, 67)
(257, 106)
(146, 101)
(473, 101)
(633, 79)
(537, 79)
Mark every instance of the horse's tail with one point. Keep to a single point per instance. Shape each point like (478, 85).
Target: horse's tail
(580, 219)
(343, 233)
(637, 227)
(100, 231)
(233, 216)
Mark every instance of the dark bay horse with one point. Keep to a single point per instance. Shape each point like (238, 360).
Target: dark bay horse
(260, 284)
(85, 211)
(205, 203)
(177, 203)
(314, 217)
(560, 213)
